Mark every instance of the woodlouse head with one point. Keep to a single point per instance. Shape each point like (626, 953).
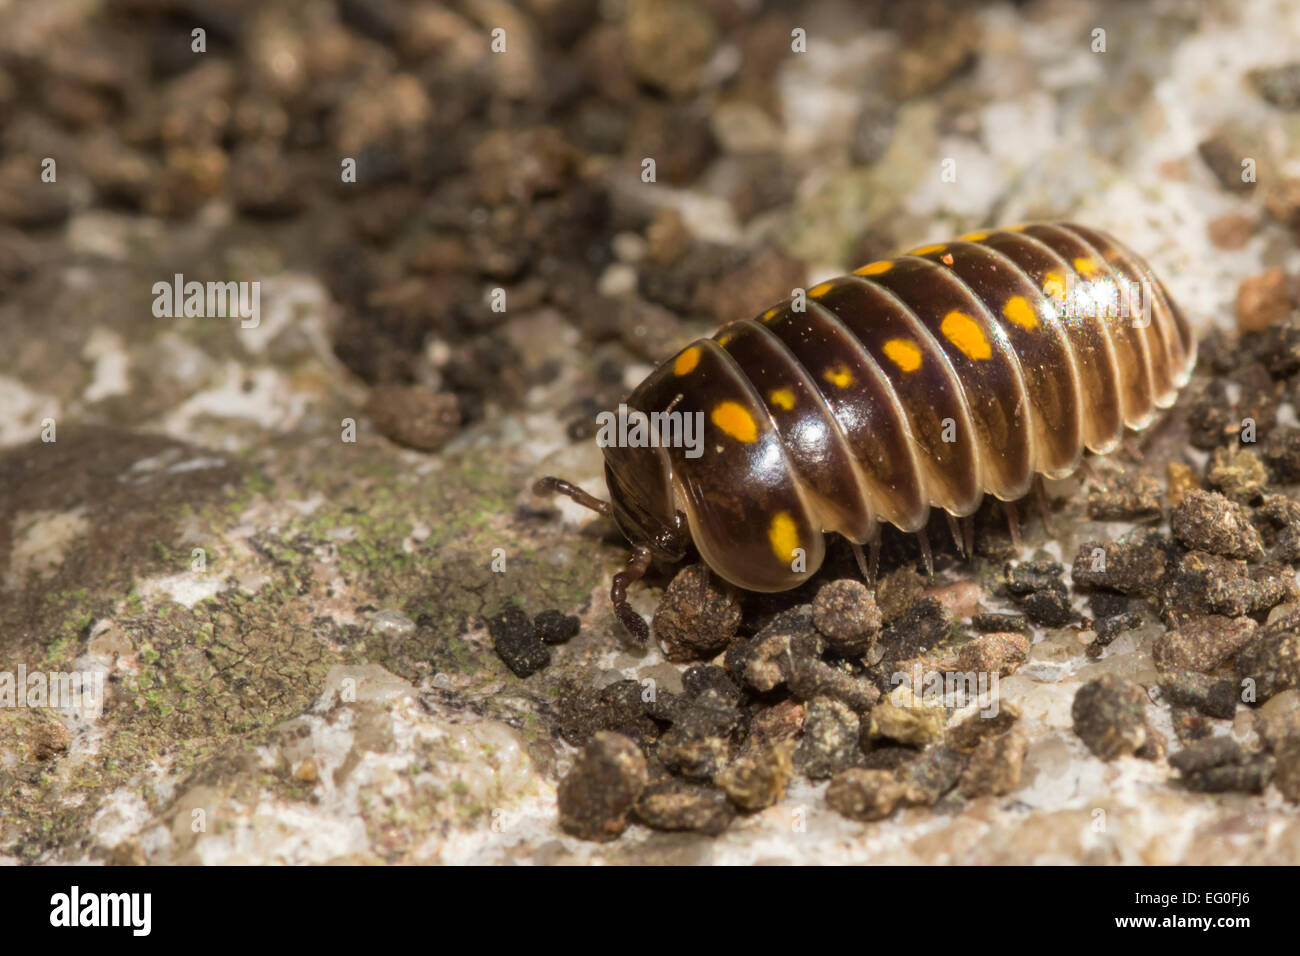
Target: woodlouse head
(642, 501)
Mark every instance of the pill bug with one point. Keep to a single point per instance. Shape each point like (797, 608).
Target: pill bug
(953, 371)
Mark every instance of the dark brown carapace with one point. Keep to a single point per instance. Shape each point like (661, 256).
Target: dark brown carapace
(929, 380)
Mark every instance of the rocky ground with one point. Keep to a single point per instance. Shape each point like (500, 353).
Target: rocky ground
(304, 555)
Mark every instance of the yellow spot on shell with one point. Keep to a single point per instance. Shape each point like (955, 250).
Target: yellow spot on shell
(734, 420)
(1014, 228)
(906, 355)
(838, 375)
(783, 534)
(1086, 266)
(974, 237)
(819, 290)
(782, 398)
(874, 268)
(965, 333)
(687, 361)
(1019, 311)
(725, 338)
(770, 314)
(926, 250)
(1054, 285)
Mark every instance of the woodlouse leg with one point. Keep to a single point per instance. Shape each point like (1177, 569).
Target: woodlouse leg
(873, 562)
(955, 532)
(1013, 523)
(924, 541)
(968, 536)
(1044, 506)
(633, 571)
(1087, 471)
(863, 568)
(550, 485)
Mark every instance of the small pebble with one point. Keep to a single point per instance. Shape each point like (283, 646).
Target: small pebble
(1105, 604)
(995, 766)
(690, 754)
(1282, 454)
(925, 626)
(620, 707)
(1220, 765)
(555, 627)
(1280, 85)
(1282, 201)
(927, 778)
(899, 591)
(1211, 752)
(1223, 152)
(1207, 521)
(1282, 514)
(830, 739)
(516, 642)
(1180, 479)
(1271, 658)
(1039, 591)
(1287, 772)
(977, 728)
(668, 43)
(1238, 473)
(600, 790)
(1126, 497)
(1262, 300)
(960, 599)
(864, 795)
(1202, 643)
(905, 718)
(1108, 628)
(1249, 777)
(1134, 564)
(811, 678)
(765, 661)
(846, 615)
(758, 777)
(999, 623)
(1188, 724)
(1205, 583)
(677, 805)
(1110, 716)
(1213, 698)
(413, 415)
(782, 721)
(701, 680)
(1000, 654)
(697, 617)
(1278, 720)
(1231, 231)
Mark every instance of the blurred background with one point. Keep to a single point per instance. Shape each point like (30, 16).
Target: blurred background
(500, 155)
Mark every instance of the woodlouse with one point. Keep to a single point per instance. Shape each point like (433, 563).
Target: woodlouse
(927, 380)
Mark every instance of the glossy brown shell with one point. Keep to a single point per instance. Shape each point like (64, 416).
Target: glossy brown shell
(929, 380)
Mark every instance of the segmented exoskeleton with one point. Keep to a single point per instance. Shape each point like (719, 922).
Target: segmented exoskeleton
(956, 370)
